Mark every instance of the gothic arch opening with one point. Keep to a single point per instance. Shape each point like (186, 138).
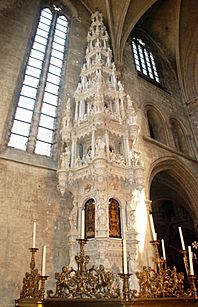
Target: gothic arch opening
(171, 208)
(114, 219)
(179, 136)
(90, 218)
(156, 125)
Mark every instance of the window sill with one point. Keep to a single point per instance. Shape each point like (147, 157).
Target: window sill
(20, 156)
(159, 85)
(168, 148)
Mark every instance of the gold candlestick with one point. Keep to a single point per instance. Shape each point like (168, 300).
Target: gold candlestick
(30, 289)
(185, 258)
(126, 292)
(193, 290)
(42, 288)
(158, 260)
(33, 250)
(82, 261)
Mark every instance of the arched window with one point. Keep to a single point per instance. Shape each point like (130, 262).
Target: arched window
(156, 125)
(144, 59)
(90, 219)
(178, 136)
(34, 124)
(114, 219)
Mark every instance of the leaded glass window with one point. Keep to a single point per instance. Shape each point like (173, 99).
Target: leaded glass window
(34, 125)
(144, 59)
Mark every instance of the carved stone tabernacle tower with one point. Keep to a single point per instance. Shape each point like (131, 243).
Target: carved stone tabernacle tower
(99, 163)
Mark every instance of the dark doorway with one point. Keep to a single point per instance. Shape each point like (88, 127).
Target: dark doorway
(171, 209)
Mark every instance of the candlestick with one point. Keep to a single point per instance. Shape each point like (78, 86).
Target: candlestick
(181, 238)
(125, 268)
(190, 261)
(34, 235)
(163, 249)
(43, 261)
(83, 224)
(153, 227)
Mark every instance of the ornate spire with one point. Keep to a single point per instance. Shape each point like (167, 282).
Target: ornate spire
(104, 124)
(99, 90)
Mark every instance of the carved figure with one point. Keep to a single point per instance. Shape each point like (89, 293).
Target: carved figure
(145, 281)
(100, 147)
(65, 158)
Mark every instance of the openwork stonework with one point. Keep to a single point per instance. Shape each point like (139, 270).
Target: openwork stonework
(99, 160)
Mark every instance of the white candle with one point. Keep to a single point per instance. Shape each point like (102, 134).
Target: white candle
(163, 249)
(34, 235)
(181, 238)
(125, 267)
(83, 225)
(190, 260)
(43, 261)
(153, 227)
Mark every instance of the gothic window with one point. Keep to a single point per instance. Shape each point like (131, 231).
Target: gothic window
(34, 124)
(144, 59)
(114, 219)
(90, 219)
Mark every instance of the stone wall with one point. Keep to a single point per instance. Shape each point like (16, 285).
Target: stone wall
(28, 187)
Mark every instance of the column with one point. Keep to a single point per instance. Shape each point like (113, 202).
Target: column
(117, 108)
(76, 110)
(126, 146)
(72, 152)
(122, 107)
(123, 221)
(93, 143)
(107, 143)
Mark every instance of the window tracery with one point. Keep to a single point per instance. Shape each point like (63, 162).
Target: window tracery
(144, 59)
(34, 123)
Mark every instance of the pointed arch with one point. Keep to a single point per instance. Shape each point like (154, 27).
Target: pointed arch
(179, 136)
(90, 218)
(156, 124)
(181, 174)
(114, 219)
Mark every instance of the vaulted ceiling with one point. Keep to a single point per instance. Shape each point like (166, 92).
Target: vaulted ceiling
(172, 24)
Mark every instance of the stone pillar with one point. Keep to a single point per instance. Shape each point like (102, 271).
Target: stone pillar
(102, 216)
(76, 110)
(107, 143)
(93, 144)
(126, 147)
(73, 152)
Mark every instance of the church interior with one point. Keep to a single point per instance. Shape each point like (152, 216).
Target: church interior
(98, 152)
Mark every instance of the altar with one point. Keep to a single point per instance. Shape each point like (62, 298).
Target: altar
(156, 302)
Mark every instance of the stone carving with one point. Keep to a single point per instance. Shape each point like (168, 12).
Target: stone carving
(100, 147)
(104, 121)
(65, 159)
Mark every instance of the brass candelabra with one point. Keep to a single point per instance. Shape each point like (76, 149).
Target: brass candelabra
(33, 283)
(164, 282)
(83, 282)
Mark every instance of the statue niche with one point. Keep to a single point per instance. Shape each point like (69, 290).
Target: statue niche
(90, 218)
(114, 219)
